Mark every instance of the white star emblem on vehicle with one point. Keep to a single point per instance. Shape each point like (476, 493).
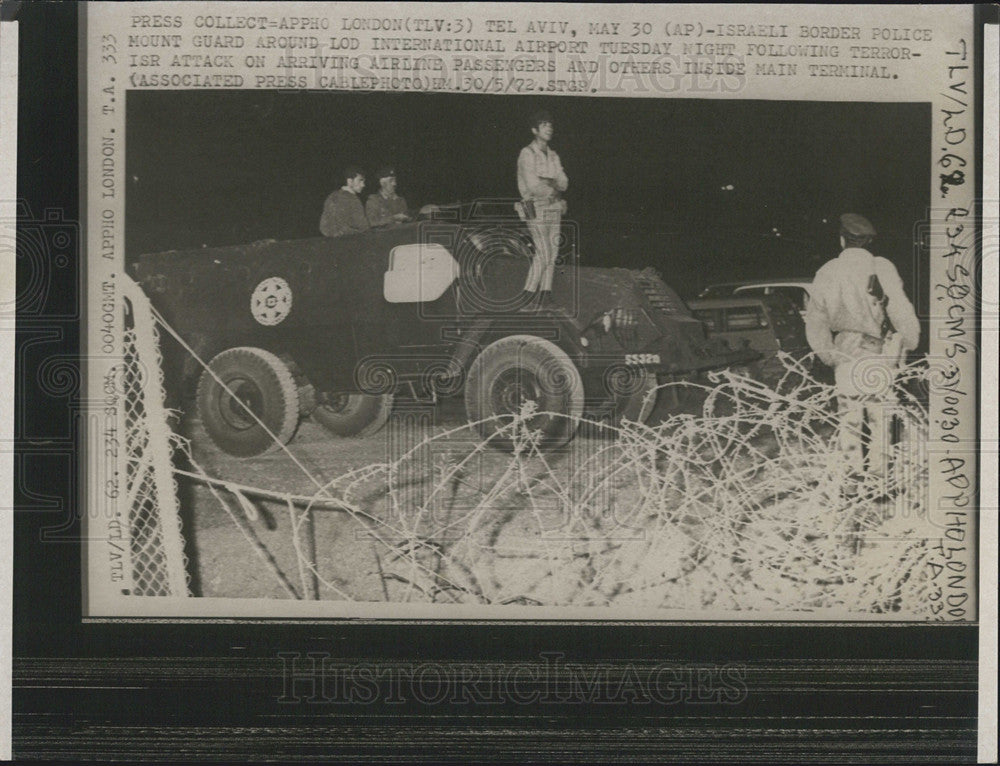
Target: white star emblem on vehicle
(271, 301)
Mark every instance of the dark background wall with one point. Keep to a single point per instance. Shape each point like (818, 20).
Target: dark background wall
(647, 176)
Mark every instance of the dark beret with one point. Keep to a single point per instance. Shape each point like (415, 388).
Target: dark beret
(856, 225)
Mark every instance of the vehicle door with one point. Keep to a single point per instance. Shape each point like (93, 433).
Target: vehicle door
(413, 308)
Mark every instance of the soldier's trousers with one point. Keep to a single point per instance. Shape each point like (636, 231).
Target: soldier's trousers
(544, 229)
(863, 434)
(864, 407)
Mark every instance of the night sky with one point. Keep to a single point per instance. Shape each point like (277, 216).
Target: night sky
(646, 175)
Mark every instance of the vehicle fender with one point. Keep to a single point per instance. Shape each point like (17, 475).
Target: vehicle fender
(470, 339)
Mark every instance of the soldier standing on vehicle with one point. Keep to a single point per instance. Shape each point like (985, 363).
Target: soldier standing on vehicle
(860, 322)
(385, 207)
(541, 180)
(342, 211)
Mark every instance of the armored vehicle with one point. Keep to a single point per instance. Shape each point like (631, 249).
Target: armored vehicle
(334, 328)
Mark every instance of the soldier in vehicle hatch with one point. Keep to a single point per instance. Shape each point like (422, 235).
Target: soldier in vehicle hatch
(860, 322)
(541, 181)
(385, 207)
(342, 211)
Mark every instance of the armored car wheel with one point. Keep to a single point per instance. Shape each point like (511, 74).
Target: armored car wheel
(307, 394)
(352, 414)
(518, 369)
(248, 401)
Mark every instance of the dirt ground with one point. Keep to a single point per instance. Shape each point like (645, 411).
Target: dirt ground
(740, 507)
(350, 557)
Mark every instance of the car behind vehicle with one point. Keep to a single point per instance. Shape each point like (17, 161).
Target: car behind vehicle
(767, 323)
(795, 289)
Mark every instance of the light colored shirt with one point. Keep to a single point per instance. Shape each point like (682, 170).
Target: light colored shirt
(540, 174)
(381, 209)
(839, 303)
(342, 214)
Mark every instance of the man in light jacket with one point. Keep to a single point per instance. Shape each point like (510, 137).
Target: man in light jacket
(541, 181)
(861, 326)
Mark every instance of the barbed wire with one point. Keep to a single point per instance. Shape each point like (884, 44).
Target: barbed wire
(735, 504)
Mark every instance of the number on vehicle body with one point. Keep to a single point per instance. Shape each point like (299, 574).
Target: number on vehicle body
(642, 358)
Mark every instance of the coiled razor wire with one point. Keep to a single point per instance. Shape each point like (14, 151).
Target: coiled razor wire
(737, 506)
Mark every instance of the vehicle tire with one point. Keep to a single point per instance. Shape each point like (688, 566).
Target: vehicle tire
(352, 414)
(635, 404)
(307, 394)
(521, 368)
(245, 378)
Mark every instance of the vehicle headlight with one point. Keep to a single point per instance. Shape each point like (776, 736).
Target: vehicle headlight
(619, 319)
(623, 323)
(626, 318)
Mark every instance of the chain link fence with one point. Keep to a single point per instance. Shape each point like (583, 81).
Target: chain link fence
(158, 561)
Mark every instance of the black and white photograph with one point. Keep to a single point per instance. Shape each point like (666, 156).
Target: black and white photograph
(536, 351)
(588, 321)
(427, 382)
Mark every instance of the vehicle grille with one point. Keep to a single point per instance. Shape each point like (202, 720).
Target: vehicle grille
(657, 294)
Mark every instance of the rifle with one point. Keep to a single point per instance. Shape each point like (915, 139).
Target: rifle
(892, 340)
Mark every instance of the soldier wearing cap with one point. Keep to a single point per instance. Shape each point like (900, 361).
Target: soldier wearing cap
(541, 181)
(385, 207)
(857, 312)
(342, 211)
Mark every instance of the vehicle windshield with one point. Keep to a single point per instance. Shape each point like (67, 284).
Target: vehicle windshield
(717, 291)
(797, 295)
